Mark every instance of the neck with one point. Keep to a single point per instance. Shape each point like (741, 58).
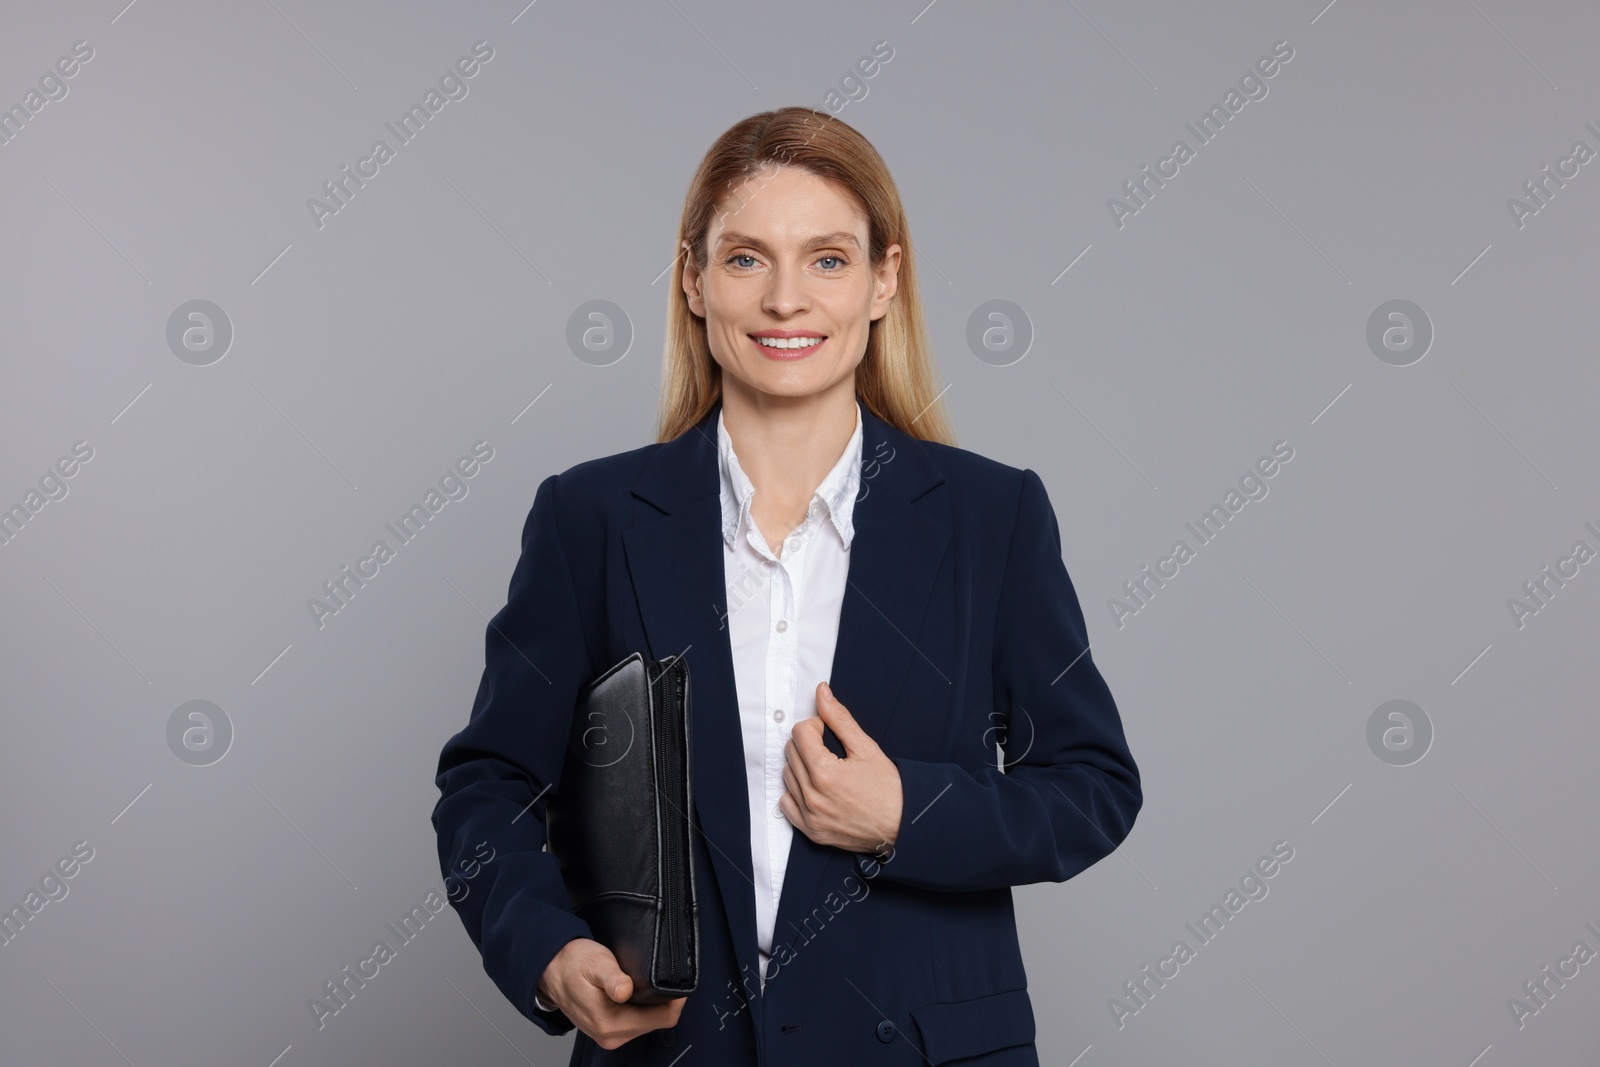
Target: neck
(787, 444)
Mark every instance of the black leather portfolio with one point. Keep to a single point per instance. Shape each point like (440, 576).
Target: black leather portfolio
(619, 823)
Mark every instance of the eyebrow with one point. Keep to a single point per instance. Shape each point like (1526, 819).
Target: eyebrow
(838, 237)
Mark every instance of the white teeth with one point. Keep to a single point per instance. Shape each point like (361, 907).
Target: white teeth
(789, 342)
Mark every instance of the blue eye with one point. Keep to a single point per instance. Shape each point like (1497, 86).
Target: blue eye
(734, 261)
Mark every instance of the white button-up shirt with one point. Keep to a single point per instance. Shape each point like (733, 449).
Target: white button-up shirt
(783, 622)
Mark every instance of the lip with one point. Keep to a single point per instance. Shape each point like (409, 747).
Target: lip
(787, 354)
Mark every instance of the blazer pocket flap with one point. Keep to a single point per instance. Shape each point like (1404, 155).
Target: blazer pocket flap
(960, 1028)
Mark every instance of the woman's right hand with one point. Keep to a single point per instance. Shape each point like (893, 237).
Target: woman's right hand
(587, 984)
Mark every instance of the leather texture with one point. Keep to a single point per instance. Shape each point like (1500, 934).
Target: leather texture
(618, 823)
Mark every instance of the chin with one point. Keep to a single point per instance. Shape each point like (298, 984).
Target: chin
(788, 388)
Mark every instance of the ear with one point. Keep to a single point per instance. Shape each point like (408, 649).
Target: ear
(886, 282)
(692, 281)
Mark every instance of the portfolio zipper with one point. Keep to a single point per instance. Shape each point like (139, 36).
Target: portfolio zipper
(675, 972)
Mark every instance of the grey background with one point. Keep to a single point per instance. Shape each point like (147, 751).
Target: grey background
(368, 355)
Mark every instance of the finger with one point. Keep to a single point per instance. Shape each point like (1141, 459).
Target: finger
(790, 783)
(809, 771)
(611, 979)
(794, 762)
(806, 737)
(614, 1025)
(795, 813)
(796, 792)
(842, 723)
(655, 1016)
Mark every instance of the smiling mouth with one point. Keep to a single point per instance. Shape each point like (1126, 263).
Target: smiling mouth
(787, 347)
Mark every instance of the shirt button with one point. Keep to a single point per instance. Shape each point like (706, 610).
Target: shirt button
(783, 624)
(794, 543)
(777, 716)
(777, 813)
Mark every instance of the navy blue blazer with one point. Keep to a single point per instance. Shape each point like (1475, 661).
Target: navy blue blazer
(959, 630)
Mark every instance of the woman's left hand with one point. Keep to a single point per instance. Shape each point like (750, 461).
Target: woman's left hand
(852, 802)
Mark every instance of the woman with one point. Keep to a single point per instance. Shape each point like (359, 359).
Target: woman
(866, 610)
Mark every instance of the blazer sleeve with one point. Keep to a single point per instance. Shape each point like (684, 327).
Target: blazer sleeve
(1071, 790)
(496, 775)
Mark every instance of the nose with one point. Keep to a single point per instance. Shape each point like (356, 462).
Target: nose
(786, 292)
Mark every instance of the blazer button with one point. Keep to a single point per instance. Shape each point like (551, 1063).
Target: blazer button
(885, 1030)
(667, 1037)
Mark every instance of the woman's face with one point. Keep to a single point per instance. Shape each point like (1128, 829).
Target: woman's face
(787, 258)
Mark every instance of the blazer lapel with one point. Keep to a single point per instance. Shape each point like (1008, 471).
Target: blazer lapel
(675, 561)
(901, 537)
(675, 558)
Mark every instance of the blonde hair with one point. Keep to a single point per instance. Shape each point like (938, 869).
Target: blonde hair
(895, 380)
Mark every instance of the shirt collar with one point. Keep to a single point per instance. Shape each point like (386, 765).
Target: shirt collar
(836, 495)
